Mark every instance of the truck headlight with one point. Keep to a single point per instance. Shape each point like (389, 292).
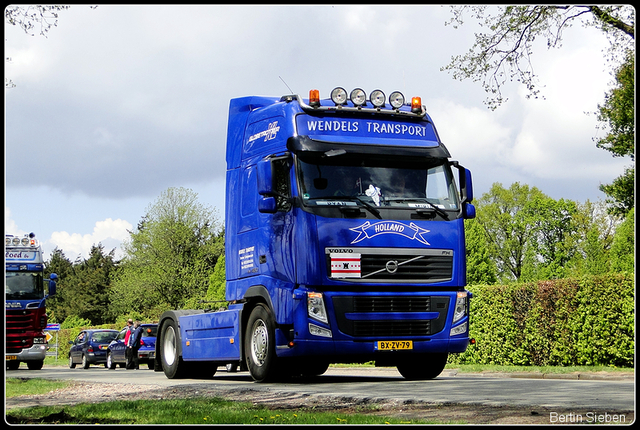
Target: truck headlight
(315, 307)
(461, 307)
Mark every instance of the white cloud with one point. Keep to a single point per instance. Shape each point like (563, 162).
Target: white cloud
(109, 233)
(10, 226)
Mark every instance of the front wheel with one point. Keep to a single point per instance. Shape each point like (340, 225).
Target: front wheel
(35, 365)
(421, 367)
(259, 345)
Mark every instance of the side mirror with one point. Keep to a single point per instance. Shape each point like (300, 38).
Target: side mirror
(265, 177)
(468, 211)
(466, 185)
(52, 284)
(267, 205)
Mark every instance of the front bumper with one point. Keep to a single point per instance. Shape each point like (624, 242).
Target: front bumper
(36, 353)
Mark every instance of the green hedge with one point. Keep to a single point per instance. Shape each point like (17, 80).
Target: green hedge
(564, 322)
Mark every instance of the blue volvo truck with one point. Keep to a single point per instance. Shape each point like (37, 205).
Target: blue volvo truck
(344, 228)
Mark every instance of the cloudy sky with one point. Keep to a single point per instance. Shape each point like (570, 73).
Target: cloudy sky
(119, 103)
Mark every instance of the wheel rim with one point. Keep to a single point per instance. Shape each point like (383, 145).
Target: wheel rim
(259, 343)
(169, 346)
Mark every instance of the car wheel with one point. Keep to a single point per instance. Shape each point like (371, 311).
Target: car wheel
(13, 365)
(110, 364)
(72, 365)
(85, 362)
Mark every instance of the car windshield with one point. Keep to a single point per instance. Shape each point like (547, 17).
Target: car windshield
(351, 181)
(103, 336)
(24, 286)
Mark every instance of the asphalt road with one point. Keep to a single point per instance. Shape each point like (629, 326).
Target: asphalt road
(591, 394)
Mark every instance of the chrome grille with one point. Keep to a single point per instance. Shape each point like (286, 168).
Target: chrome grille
(398, 265)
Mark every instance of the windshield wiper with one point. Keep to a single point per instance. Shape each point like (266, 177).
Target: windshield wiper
(439, 211)
(367, 206)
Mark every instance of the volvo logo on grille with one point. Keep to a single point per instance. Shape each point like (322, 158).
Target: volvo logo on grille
(392, 266)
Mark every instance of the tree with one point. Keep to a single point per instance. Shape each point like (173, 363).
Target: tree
(623, 247)
(505, 50)
(480, 267)
(619, 114)
(61, 266)
(86, 290)
(29, 17)
(170, 257)
(508, 227)
(553, 236)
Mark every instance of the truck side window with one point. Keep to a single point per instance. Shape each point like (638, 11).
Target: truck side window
(282, 183)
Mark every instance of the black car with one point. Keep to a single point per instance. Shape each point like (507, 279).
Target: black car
(90, 347)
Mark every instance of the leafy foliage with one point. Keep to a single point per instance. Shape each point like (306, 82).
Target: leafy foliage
(503, 52)
(618, 113)
(170, 257)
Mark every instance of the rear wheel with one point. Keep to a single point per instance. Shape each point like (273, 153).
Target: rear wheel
(72, 365)
(172, 363)
(259, 345)
(421, 367)
(13, 365)
(85, 362)
(110, 364)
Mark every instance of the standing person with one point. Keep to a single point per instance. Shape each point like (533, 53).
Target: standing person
(127, 350)
(134, 340)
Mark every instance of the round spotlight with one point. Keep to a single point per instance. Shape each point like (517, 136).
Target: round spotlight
(339, 96)
(378, 98)
(25, 241)
(358, 97)
(396, 99)
(16, 241)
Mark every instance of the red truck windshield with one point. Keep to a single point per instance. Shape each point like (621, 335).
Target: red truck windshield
(24, 286)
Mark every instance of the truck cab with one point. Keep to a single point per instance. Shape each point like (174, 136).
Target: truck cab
(25, 296)
(344, 230)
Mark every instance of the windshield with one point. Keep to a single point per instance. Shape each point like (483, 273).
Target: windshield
(103, 336)
(380, 183)
(24, 286)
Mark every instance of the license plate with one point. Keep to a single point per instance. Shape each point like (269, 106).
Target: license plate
(390, 345)
(11, 357)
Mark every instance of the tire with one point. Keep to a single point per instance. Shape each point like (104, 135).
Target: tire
(35, 364)
(259, 345)
(423, 367)
(85, 362)
(72, 365)
(13, 365)
(168, 349)
(110, 364)
(315, 368)
(150, 364)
